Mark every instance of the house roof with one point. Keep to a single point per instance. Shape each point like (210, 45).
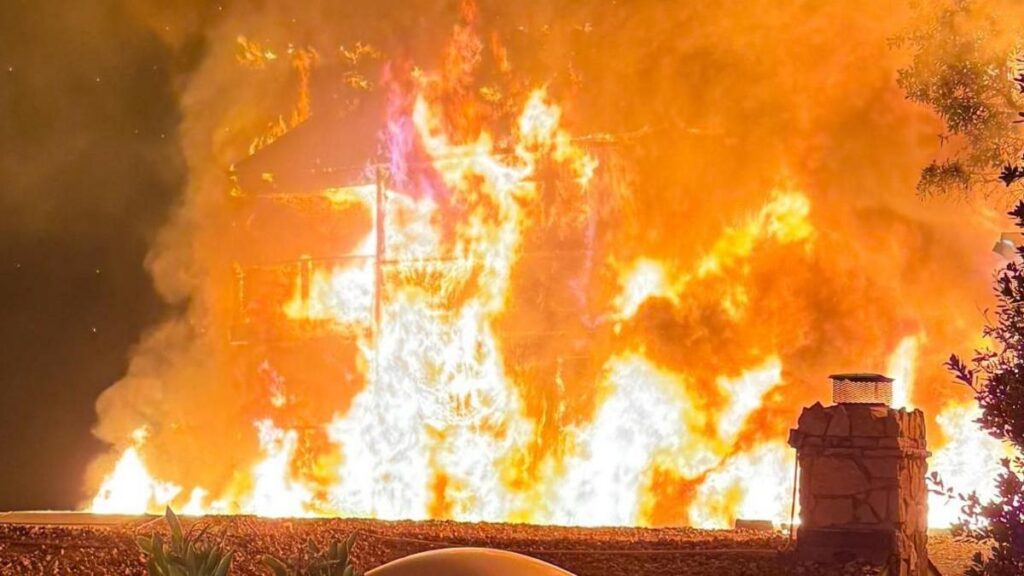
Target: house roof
(331, 148)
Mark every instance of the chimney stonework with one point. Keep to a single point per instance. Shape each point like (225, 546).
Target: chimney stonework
(862, 486)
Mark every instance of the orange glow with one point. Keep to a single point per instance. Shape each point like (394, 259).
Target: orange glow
(129, 488)
(968, 462)
(645, 279)
(901, 370)
(501, 340)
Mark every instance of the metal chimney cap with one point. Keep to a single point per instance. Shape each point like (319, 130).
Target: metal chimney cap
(861, 388)
(861, 377)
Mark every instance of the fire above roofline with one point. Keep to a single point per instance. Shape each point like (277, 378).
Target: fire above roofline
(341, 148)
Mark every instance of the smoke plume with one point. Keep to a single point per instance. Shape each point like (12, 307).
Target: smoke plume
(719, 110)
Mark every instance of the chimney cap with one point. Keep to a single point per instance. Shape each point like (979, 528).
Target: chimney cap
(861, 388)
(861, 377)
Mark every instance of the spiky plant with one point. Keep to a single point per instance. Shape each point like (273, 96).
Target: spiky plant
(185, 556)
(334, 561)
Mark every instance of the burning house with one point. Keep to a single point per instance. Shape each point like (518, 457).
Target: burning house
(553, 277)
(395, 265)
(435, 299)
(345, 196)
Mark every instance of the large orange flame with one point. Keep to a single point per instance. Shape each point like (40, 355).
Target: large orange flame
(465, 422)
(442, 423)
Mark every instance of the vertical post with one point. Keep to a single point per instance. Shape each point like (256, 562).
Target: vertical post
(378, 271)
(792, 505)
(305, 278)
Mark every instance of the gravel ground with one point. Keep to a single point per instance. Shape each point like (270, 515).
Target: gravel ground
(87, 549)
(950, 556)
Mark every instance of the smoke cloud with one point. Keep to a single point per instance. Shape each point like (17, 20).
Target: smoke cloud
(718, 107)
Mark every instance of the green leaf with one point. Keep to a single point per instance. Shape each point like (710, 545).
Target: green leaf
(190, 558)
(202, 532)
(224, 565)
(176, 534)
(145, 543)
(158, 550)
(279, 567)
(212, 558)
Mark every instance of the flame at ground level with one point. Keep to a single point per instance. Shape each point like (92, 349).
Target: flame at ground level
(968, 462)
(598, 491)
(441, 426)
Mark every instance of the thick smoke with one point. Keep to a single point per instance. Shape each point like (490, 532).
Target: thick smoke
(720, 103)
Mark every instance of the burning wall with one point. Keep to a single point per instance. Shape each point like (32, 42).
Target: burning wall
(761, 232)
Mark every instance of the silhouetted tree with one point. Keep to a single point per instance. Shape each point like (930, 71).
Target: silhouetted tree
(966, 66)
(996, 375)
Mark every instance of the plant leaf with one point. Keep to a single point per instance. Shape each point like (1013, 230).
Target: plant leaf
(176, 535)
(224, 565)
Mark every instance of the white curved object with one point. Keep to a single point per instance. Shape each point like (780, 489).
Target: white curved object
(468, 562)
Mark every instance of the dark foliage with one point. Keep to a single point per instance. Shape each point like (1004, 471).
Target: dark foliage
(998, 523)
(1011, 173)
(963, 71)
(996, 376)
(336, 560)
(185, 556)
(1014, 172)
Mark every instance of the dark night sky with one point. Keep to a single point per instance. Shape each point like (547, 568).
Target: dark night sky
(89, 169)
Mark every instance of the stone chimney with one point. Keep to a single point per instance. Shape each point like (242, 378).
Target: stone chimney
(862, 479)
